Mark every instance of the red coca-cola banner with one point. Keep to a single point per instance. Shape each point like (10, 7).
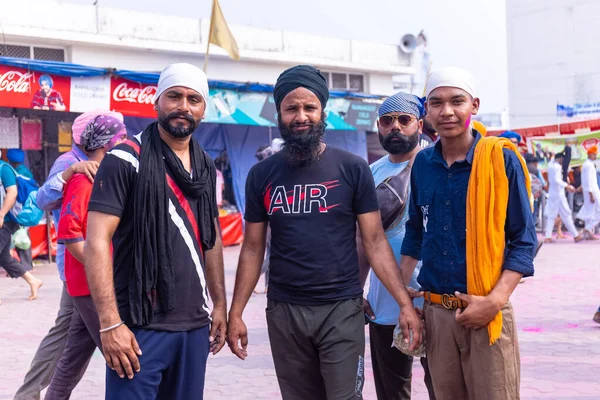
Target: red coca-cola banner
(132, 98)
(27, 89)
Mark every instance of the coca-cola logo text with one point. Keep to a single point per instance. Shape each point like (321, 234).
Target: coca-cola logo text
(13, 81)
(141, 95)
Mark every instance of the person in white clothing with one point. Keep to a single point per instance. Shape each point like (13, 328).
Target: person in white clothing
(590, 212)
(557, 200)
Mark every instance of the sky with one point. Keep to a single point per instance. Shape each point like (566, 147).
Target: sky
(470, 34)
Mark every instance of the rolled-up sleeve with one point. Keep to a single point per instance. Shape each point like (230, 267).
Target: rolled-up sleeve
(519, 227)
(49, 196)
(411, 246)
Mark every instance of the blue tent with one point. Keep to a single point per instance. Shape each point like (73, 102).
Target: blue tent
(242, 141)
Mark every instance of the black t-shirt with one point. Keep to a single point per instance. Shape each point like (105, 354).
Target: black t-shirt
(312, 213)
(112, 194)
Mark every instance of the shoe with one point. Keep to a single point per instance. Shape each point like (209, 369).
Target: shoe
(548, 240)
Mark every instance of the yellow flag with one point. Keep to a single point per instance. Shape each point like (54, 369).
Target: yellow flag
(220, 33)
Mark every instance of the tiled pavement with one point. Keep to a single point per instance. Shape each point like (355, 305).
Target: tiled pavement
(560, 345)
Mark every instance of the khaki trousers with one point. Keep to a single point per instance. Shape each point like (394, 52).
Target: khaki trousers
(462, 363)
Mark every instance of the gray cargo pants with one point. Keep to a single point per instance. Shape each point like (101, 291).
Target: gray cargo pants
(48, 353)
(318, 351)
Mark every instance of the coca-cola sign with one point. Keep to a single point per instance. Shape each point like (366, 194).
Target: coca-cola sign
(15, 81)
(137, 94)
(132, 98)
(20, 88)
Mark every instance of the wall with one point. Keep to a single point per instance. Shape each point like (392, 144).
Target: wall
(553, 57)
(84, 29)
(380, 84)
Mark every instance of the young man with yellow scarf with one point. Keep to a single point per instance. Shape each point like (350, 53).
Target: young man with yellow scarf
(471, 223)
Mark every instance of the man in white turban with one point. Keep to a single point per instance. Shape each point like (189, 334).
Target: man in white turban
(466, 360)
(155, 197)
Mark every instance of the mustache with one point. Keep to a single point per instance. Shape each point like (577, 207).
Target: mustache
(301, 125)
(176, 114)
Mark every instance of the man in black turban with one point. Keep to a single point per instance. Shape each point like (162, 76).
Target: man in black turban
(312, 196)
(298, 93)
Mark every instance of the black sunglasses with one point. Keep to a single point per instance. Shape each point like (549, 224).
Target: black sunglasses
(387, 120)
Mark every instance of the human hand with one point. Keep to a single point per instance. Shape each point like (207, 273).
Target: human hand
(592, 198)
(88, 168)
(479, 312)
(218, 329)
(121, 351)
(237, 333)
(571, 189)
(414, 293)
(410, 321)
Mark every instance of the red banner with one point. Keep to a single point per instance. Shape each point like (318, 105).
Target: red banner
(132, 98)
(27, 89)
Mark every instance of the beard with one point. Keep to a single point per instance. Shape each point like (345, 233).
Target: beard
(405, 143)
(301, 149)
(177, 129)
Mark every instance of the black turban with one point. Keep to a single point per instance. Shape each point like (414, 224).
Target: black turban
(305, 76)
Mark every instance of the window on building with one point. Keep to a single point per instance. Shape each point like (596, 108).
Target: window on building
(33, 52)
(345, 81)
(355, 83)
(339, 81)
(48, 54)
(11, 50)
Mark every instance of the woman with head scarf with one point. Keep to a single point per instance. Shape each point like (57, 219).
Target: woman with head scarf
(50, 198)
(99, 136)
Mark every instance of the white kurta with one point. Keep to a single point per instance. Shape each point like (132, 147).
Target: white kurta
(557, 203)
(590, 212)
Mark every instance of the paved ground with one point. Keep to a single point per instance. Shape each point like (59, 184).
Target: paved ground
(560, 345)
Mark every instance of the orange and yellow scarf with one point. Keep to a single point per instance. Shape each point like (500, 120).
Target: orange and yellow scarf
(487, 200)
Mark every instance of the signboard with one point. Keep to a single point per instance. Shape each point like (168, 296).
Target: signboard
(579, 144)
(90, 93)
(24, 89)
(578, 111)
(132, 98)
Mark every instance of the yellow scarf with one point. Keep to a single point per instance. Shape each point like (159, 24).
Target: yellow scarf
(487, 200)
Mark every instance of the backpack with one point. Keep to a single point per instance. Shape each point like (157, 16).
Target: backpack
(392, 195)
(25, 212)
(536, 186)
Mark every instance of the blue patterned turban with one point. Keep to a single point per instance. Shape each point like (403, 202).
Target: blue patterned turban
(403, 103)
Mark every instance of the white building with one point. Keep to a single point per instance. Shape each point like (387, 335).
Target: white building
(124, 39)
(553, 58)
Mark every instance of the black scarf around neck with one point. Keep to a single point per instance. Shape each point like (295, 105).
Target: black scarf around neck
(151, 285)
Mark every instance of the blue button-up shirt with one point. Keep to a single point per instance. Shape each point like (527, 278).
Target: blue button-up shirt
(50, 195)
(436, 228)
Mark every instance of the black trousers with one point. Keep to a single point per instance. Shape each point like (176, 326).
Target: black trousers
(318, 351)
(11, 265)
(392, 369)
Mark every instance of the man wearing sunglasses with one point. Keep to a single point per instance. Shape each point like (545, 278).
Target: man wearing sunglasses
(399, 126)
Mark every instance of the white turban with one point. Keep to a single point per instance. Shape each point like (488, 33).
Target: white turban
(186, 75)
(450, 77)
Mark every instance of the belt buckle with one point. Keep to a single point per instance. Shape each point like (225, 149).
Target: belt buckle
(449, 302)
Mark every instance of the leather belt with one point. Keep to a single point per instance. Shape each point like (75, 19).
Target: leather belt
(448, 301)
